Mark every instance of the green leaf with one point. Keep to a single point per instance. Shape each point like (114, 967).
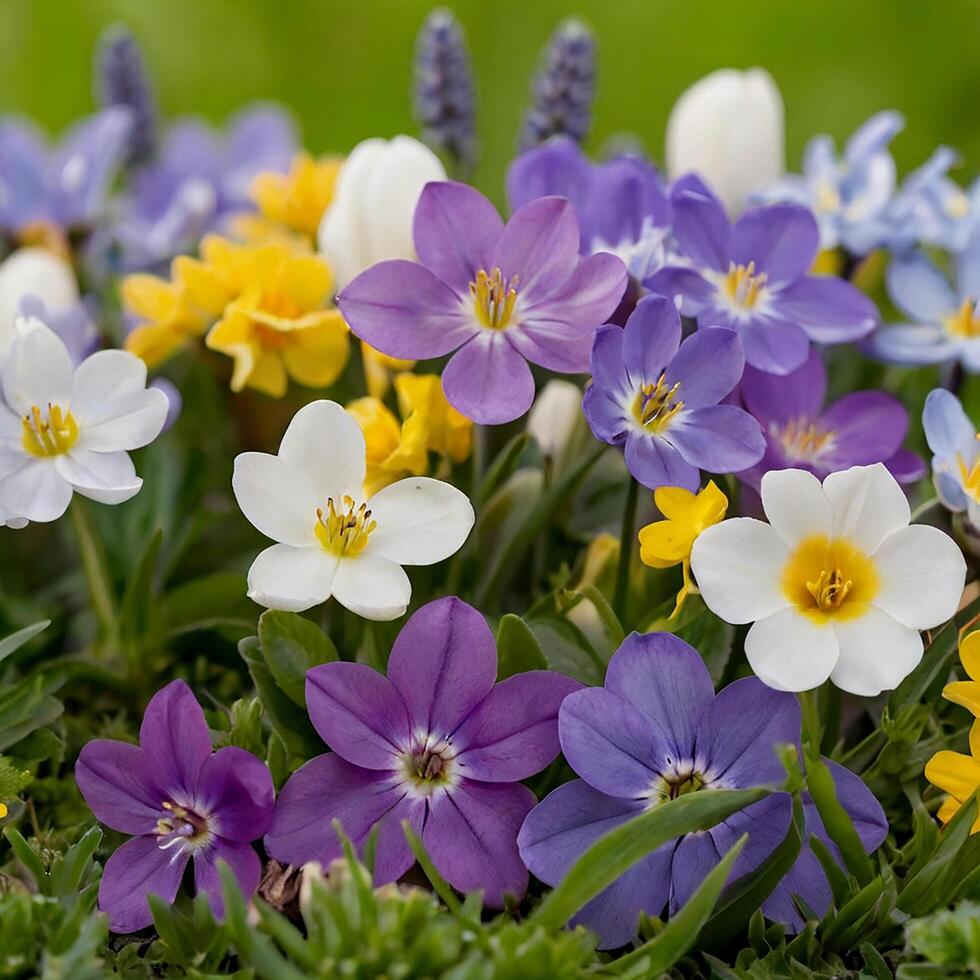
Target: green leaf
(517, 648)
(12, 779)
(292, 645)
(69, 871)
(617, 851)
(11, 644)
(204, 603)
(26, 855)
(567, 650)
(442, 887)
(502, 467)
(138, 607)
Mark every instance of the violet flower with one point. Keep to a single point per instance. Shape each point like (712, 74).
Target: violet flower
(503, 295)
(121, 79)
(436, 743)
(861, 428)
(658, 398)
(752, 277)
(657, 731)
(179, 800)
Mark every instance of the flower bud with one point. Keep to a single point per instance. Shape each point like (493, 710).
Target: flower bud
(38, 272)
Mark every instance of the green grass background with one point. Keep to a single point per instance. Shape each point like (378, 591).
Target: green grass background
(344, 66)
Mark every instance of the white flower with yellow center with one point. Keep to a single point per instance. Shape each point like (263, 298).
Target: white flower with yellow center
(334, 540)
(65, 429)
(837, 584)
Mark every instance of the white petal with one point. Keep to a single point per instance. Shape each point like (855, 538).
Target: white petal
(37, 369)
(292, 579)
(922, 572)
(35, 490)
(868, 505)
(876, 653)
(790, 652)
(796, 505)
(372, 586)
(554, 415)
(328, 445)
(276, 497)
(738, 564)
(420, 521)
(109, 478)
(33, 271)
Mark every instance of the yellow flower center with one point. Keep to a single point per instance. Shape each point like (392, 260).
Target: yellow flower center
(830, 578)
(494, 299)
(970, 475)
(676, 782)
(803, 440)
(48, 433)
(964, 322)
(656, 404)
(827, 198)
(344, 532)
(957, 205)
(743, 285)
(181, 823)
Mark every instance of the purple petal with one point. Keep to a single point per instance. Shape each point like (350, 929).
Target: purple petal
(237, 789)
(625, 192)
(655, 463)
(777, 347)
(443, 663)
(488, 381)
(605, 414)
(556, 167)
(244, 864)
(807, 880)
(403, 310)
(358, 713)
(116, 779)
(947, 427)
(915, 344)
(683, 285)
(609, 374)
(137, 869)
(708, 364)
(868, 427)
(328, 789)
(740, 730)
(718, 438)
(666, 680)
(702, 230)
(455, 231)
(782, 240)
(830, 310)
(919, 289)
(471, 836)
(174, 736)
(513, 733)
(862, 807)
(774, 398)
(651, 338)
(906, 466)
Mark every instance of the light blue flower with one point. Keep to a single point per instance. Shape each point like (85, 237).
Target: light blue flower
(956, 464)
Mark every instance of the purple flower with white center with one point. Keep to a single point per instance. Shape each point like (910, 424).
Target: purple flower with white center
(179, 800)
(498, 295)
(436, 743)
(861, 428)
(659, 398)
(656, 731)
(751, 276)
(956, 464)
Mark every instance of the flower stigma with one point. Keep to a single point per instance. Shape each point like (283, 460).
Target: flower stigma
(429, 765)
(494, 299)
(743, 285)
(344, 532)
(677, 781)
(803, 440)
(970, 475)
(181, 825)
(829, 578)
(964, 322)
(654, 405)
(50, 433)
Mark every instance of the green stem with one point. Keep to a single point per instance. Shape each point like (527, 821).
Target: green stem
(93, 561)
(831, 712)
(923, 508)
(812, 729)
(626, 535)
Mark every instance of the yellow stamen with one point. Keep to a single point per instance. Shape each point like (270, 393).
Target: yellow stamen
(344, 532)
(494, 299)
(48, 434)
(654, 405)
(803, 440)
(743, 285)
(970, 475)
(964, 322)
(830, 578)
(827, 198)
(957, 205)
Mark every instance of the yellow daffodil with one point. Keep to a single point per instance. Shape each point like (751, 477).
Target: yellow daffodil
(281, 327)
(379, 368)
(394, 450)
(294, 201)
(958, 775)
(666, 543)
(447, 432)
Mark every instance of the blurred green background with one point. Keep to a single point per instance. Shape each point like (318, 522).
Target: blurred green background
(344, 66)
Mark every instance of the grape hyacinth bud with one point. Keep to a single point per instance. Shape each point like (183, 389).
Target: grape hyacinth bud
(564, 87)
(121, 79)
(444, 102)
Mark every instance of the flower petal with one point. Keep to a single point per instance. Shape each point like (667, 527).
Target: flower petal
(654, 462)
(37, 370)
(488, 381)
(651, 339)
(948, 429)
(34, 489)
(689, 290)
(708, 365)
(702, 229)
(277, 497)
(782, 240)
(919, 289)
(236, 788)
(910, 343)
(774, 346)
(869, 505)
(245, 866)
(292, 579)
(868, 427)
(109, 478)
(796, 505)
(372, 586)
(784, 398)
(789, 652)
(717, 438)
(117, 782)
(830, 310)
(956, 774)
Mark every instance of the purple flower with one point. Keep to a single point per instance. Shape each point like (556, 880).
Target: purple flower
(659, 398)
(503, 295)
(751, 276)
(436, 743)
(179, 800)
(654, 732)
(861, 428)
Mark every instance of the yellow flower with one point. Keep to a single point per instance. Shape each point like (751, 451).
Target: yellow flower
(393, 451)
(447, 432)
(666, 543)
(280, 327)
(958, 775)
(298, 199)
(378, 369)
(3, 810)
(967, 693)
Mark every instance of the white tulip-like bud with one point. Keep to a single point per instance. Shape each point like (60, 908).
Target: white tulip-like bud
(554, 415)
(36, 271)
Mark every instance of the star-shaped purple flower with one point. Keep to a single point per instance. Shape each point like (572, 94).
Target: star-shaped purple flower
(179, 800)
(861, 428)
(436, 743)
(657, 731)
(751, 276)
(498, 295)
(659, 398)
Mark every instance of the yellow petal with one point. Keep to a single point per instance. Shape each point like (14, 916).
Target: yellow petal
(203, 288)
(379, 425)
(268, 374)
(975, 740)
(666, 543)
(970, 654)
(153, 343)
(675, 503)
(965, 694)
(318, 355)
(710, 506)
(948, 809)
(3, 810)
(957, 774)
(150, 297)
(410, 456)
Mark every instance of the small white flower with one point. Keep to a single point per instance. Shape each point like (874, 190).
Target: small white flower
(33, 271)
(554, 415)
(370, 217)
(64, 429)
(333, 539)
(837, 585)
(728, 127)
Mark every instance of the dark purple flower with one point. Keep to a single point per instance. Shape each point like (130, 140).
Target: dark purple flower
(861, 428)
(436, 743)
(121, 79)
(654, 732)
(659, 398)
(752, 276)
(179, 800)
(503, 295)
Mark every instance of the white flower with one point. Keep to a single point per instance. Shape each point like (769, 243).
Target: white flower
(370, 217)
(728, 127)
(36, 271)
(64, 429)
(838, 584)
(554, 415)
(333, 539)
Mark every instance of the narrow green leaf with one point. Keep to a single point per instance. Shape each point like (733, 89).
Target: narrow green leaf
(875, 963)
(836, 820)
(607, 615)
(11, 644)
(442, 887)
(840, 884)
(292, 645)
(503, 466)
(26, 855)
(213, 600)
(67, 876)
(137, 607)
(517, 648)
